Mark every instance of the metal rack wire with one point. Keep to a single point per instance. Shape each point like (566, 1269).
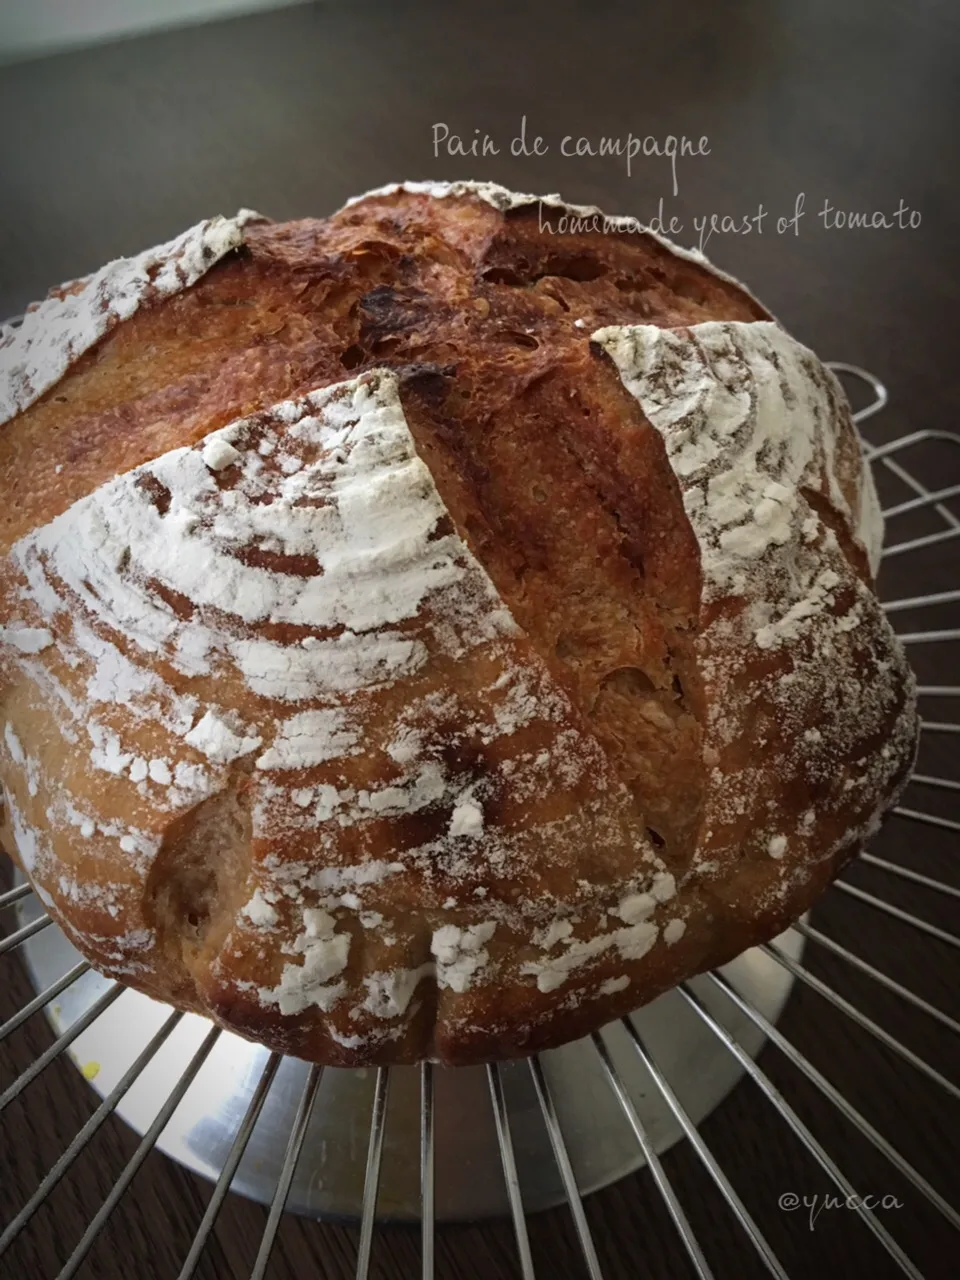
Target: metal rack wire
(614, 1053)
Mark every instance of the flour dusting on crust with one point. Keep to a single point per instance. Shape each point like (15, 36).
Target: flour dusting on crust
(754, 428)
(304, 555)
(56, 332)
(751, 419)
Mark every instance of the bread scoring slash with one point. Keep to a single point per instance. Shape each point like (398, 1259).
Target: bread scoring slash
(429, 635)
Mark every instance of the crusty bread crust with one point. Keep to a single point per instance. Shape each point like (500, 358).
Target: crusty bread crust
(428, 632)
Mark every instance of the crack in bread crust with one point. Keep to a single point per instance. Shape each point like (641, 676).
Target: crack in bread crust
(601, 614)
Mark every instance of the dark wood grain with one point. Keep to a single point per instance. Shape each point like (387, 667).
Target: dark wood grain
(106, 151)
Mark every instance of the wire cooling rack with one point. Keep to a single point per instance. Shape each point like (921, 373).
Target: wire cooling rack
(561, 1124)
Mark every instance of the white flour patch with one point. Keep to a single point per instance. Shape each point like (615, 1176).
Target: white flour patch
(56, 332)
(26, 639)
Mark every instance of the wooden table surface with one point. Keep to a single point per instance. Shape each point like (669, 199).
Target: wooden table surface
(111, 149)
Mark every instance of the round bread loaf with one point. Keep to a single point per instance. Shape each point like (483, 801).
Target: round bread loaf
(434, 630)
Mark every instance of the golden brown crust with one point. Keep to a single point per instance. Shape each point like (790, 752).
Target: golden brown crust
(592, 770)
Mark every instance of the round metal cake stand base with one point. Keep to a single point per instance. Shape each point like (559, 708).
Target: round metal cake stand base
(329, 1178)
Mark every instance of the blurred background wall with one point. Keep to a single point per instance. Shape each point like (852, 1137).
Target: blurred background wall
(34, 27)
